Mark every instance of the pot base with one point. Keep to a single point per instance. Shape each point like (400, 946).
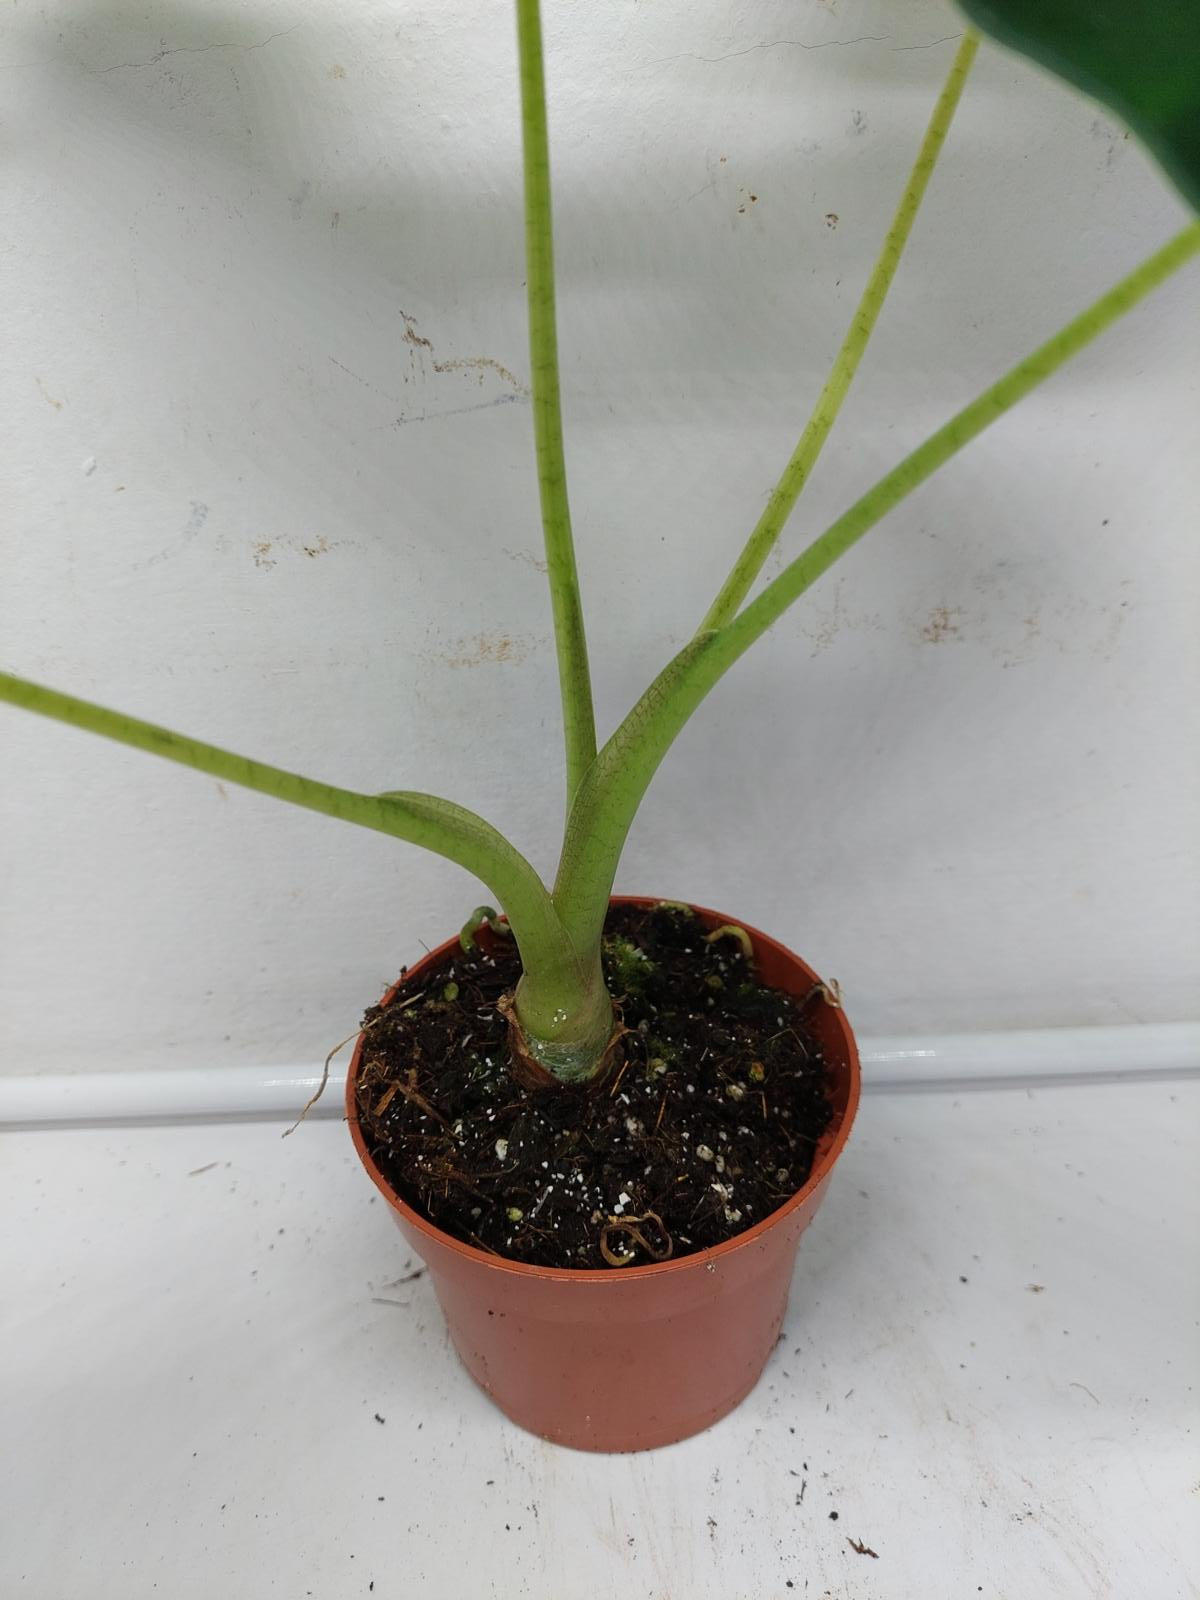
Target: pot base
(596, 1441)
(658, 1403)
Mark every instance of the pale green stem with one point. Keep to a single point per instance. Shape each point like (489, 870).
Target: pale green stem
(614, 786)
(579, 726)
(796, 474)
(560, 983)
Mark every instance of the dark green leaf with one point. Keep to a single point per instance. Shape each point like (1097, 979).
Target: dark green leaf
(1139, 57)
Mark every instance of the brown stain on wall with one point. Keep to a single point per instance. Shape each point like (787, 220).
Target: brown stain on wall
(943, 625)
(530, 560)
(827, 622)
(267, 552)
(479, 364)
(488, 649)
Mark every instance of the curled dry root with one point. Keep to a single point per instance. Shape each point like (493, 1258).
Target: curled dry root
(630, 1226)
(830, 991)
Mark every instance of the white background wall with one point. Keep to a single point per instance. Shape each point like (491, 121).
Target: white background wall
(238, 499)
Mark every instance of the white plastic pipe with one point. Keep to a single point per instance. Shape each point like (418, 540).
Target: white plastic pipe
(960, 1061)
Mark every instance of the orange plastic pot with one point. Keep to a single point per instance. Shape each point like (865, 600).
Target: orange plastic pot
(628, 1358)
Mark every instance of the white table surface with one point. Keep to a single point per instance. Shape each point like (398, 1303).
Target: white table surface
(195, 1354)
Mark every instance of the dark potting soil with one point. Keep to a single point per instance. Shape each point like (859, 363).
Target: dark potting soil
(706, 1125)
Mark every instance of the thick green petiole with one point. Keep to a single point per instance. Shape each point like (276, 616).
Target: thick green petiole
(558, 1003)
(567, 1030)
(579, 727)
(604, 810)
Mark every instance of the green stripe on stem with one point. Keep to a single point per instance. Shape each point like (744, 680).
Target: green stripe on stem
(796, 474)
(558, 981)
(579, 726)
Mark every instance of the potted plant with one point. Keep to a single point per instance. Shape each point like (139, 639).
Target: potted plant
(604, 1124)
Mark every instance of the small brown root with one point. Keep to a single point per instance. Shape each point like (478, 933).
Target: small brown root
(830, 992)
(800, 1044)
(409, 1002)
(413, 1095)
(862, 1549)
(630, 1227)
(619, 1076)
(477, 1241)
(320, 1089)
(441, 1172)
(389, 1094)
